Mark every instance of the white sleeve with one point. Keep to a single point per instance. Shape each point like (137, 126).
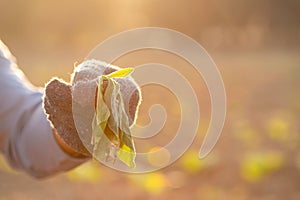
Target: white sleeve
(26, 138)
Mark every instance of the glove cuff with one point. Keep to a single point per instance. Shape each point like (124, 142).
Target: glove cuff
(65, 147)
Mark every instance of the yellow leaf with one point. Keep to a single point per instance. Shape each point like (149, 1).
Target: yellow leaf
(120, 73)
(255, 166)
(88, 172)
(127, 155)
(111, 135)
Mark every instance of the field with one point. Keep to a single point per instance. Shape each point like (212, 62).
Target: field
(258, 154)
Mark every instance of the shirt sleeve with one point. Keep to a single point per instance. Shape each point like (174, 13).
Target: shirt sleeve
(26, 137)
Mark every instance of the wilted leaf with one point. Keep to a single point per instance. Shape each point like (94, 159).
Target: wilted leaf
(88, 172)
(278, 129)
(191, 163)
(153, 183)
(257, 165)
(111, 134)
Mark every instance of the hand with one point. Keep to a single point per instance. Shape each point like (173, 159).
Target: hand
(58, 106)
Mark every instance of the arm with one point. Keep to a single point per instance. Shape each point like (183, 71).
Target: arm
(26, 137)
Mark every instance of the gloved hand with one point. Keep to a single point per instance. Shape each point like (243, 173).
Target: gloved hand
(58, 103)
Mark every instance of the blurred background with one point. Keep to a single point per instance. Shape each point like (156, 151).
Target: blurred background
(254, 43)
